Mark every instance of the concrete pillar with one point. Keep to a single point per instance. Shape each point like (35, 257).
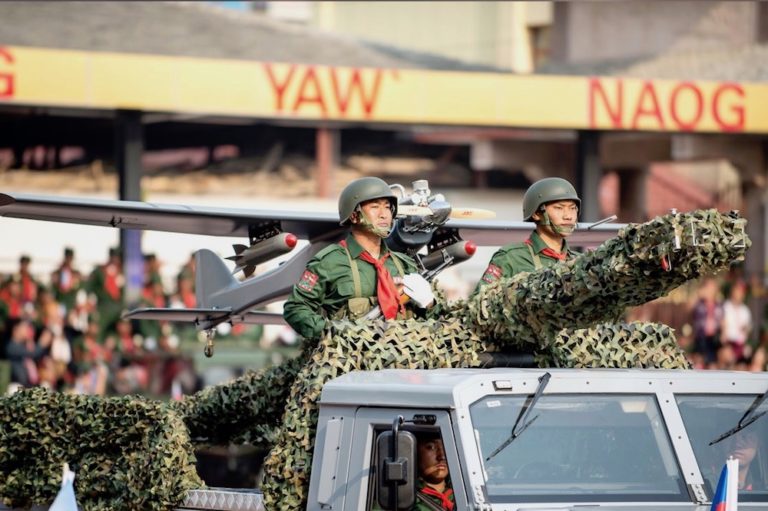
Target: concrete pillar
(327, 150)
(632, 194)
(588, 174)
(129, 148)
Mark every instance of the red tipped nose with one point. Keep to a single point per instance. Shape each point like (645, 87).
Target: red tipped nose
(470, 248)
(290, 241)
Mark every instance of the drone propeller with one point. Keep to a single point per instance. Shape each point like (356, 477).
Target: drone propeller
(411, 210)
(472, 213)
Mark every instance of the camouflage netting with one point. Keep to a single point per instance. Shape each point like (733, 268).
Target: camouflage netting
(246, 410)
(642, 345)
(128, 453)
(528, 310)
(411, 344)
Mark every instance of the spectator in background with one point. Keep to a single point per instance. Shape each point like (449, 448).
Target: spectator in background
(707, 321)
(737, 322)
(187, 272)
(66, 281)
(23, 353)
(107, 282)
(28, 285)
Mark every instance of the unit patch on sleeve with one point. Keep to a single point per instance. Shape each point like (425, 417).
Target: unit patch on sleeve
(492, 273)
(307, 281)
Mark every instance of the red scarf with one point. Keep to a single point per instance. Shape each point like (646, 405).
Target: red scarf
(560, 256)
(111, 285)
(386, 291)
(444, 500)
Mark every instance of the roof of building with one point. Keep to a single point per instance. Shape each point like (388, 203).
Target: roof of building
(748, 63)
(195, 29)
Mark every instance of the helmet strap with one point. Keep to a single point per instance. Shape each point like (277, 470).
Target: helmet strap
(546, 221)
(365, 224)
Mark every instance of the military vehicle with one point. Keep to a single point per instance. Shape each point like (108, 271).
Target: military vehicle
(550, 438)
(535, 439)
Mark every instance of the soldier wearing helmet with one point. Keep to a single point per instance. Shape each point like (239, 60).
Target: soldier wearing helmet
(553, 204)
(348, 279)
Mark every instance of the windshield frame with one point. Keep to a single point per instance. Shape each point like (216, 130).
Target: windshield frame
(659, 434)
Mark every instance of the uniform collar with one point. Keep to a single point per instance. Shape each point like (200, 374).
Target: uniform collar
(355, 249)
(539, 245)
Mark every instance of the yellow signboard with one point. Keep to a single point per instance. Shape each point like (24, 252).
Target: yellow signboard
(63, 78)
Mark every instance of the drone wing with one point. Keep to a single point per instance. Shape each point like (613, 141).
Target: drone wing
(200, 316)
(166, 217)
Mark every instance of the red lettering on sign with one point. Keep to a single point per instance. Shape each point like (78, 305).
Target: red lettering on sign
(673, 105)
(7, 78)
(649, 92)
(735, 107)
(310, 92)
(615, 114)
(279, 88)
(355, 83)
(302, 88)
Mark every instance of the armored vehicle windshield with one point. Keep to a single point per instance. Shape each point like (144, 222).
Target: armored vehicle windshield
(577, 448)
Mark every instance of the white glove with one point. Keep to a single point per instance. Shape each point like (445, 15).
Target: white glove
(418, 289)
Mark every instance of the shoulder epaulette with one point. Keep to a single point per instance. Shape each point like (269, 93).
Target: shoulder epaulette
(327, 250)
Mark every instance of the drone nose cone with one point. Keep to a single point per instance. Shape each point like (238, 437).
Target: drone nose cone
(470, 248)
(290, 241)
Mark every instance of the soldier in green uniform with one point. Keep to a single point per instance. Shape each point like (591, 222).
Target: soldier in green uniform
(553, 204)
(348, 279)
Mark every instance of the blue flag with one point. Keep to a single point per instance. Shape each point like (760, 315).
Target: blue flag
(65, 499)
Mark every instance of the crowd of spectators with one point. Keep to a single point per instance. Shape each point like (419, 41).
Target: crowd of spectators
(727, 329)
(68, 333)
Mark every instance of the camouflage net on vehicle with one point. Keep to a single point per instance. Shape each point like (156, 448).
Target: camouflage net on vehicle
(621, 345)
(128, 453)
(246, 410)
(410, 344)
(642, 263)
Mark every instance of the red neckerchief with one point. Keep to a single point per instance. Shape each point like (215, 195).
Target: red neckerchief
(110, 281)
(386, 291)
(28, 288)
(560, 256)
(444, 500)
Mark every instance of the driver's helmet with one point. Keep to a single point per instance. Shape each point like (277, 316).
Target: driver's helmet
(545, 190)
(361, 190)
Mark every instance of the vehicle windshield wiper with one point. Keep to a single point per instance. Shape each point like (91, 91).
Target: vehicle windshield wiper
(521, 424)
(748, 418)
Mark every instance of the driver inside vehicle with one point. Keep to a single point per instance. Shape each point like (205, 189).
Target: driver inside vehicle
(433, 487)
(743, 447)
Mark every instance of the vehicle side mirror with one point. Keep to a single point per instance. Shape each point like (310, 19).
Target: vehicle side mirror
(396, 469)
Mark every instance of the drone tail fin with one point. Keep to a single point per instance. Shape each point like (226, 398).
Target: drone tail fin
(213, 276)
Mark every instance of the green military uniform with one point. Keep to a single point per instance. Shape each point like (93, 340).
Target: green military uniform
(338, 284)
(514, 258)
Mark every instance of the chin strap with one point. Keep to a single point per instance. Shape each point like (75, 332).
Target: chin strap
(366, 224)
(558, 229)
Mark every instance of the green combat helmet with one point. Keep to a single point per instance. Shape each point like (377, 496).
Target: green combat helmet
(361, 190)
(547, 190)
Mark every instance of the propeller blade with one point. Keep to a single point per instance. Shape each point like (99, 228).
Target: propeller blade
(472, 213)
(410, 210)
